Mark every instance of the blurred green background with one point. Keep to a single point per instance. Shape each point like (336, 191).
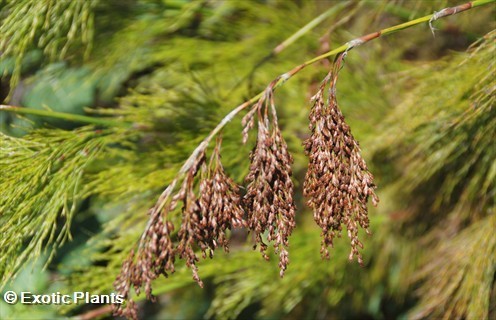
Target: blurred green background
(75, 194)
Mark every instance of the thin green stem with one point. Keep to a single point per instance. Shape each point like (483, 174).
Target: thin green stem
(345, 47)
(65, 116)
(281, 79)
(400, 27)
(292, 39)
(309, 26)
(284, 77)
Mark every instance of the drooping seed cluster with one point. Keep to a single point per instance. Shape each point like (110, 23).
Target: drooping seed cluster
(154, 256)
(269, 196)
(220, 206)
(122, 284)
(205, 221)
(337, 183)
(190, 229)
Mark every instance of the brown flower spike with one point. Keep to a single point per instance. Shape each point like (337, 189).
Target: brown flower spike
(337, 183)
(219, 206)
(205, 219)
(269, 196)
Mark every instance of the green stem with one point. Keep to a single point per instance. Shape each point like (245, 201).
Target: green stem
(400, 27)
(292, 39)
(345, 47)
(281, 79)
(309, 26)
(65, 116)
(284, 77)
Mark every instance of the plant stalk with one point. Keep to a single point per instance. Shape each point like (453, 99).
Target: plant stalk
(309, 26)
(164, 197)
(345, 47)
(284, 77)
(279, 80)
(65, 116)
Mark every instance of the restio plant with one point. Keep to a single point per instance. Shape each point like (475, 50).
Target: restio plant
(202, 204)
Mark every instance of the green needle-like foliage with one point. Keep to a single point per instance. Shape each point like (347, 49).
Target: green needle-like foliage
(41, 185)
(442, 143)
(447, 143)
(53, 26)
(459, 275)
(160, 75)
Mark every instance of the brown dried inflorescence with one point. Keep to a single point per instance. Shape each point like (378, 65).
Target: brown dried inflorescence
(154, 256)
(269, 195)
(338, 183)
(205, 221)
(219, 206)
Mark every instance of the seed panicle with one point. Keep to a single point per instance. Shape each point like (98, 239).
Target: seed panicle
(269, 198)
(337, 183)
(205, 221)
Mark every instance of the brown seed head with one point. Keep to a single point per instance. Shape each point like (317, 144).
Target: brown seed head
(205, 220)
(337, 183)
(269, 197)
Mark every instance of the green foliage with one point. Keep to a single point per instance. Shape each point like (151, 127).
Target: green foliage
(441, 139)
(177, 68)
(41, 178)
(51, 25)
(451, 155)
(459, 283)
(459, 139)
